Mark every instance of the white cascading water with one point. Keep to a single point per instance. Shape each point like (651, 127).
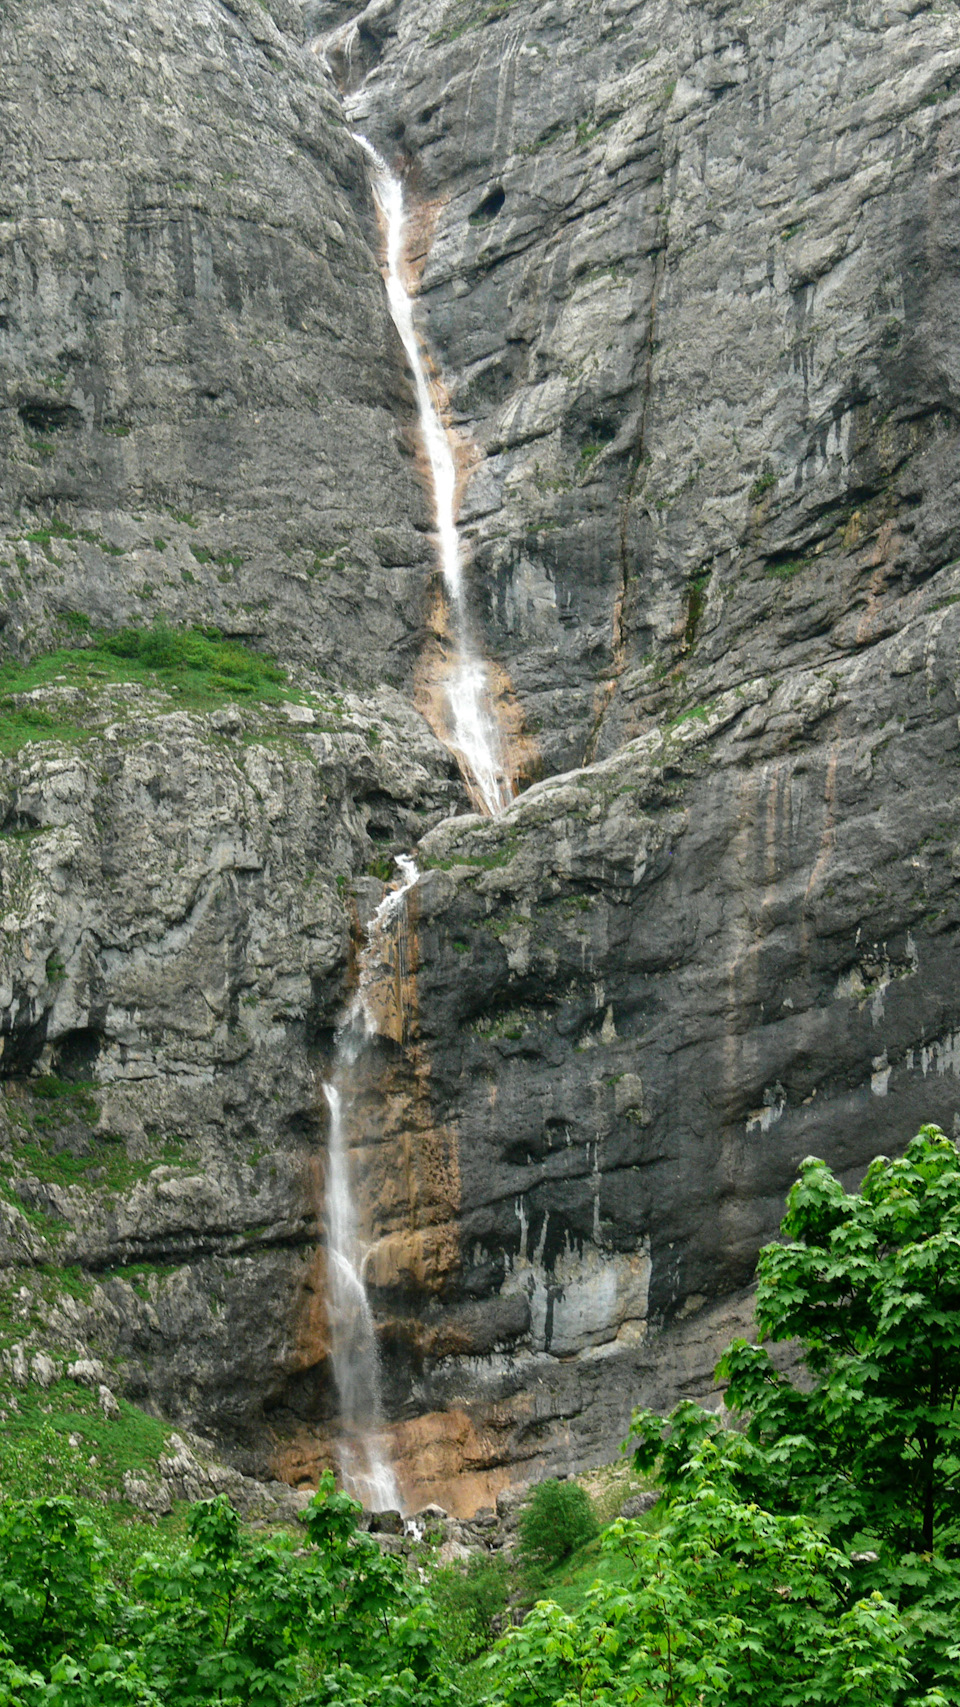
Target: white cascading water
(474, 738)
(356, 1360)
(474, 735)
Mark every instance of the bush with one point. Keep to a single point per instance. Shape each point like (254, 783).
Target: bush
(467, 1599)
(558, 1519)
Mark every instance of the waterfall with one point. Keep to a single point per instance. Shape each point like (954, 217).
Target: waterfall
(354, 1353)
(473, 735)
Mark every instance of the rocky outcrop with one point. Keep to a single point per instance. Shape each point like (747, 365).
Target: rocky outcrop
(687, 271)
(175, 943)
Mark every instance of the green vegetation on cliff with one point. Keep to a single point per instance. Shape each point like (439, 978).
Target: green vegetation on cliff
(196, 666)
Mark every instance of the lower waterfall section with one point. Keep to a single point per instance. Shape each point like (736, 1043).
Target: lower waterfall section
(355, 1356)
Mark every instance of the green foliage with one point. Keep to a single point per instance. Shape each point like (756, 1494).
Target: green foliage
(54, 1590)
(557, 1520)
(467, 1599)
(765, 480)
(198, 665)
(222, 665)
(36, 1455)
(73, 1096)
(227, 1618)
(727, 1605)
(868, 1449)
(869, 1282)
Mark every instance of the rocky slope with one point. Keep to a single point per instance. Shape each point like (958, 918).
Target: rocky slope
(688, 271)
(688, 274)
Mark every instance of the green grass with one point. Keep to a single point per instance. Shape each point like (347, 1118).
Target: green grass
(37, 1459)
(696, 714)
(131, 1442)
(41, 1110)
(72, 1096)
(138, 1274)
(764, 483)
(104, 1163)
(197, 665)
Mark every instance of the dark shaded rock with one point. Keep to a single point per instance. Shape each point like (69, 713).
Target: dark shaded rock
(386, 1523)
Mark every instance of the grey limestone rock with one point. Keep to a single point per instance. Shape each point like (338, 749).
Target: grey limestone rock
(201, 386)
(686, 272)
(688, 275)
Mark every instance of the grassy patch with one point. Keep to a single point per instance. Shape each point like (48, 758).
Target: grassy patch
(131, 1442)
(48, 1142)
(786, 570)
(696, 714)
(59, 1442)
(764, 482)
(197, 665)
(62, 1097)
(103, 1163)
(138, 1275)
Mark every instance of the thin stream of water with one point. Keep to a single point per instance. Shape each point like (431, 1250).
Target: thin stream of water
(355, 1356)
(474, 735)
(475, 739)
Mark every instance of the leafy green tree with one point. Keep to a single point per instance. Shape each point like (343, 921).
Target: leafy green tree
(54, 1585)
(233, 1619)
(867, 1444)
(557, 1519)
(869, 1283)
(726, 1605)
(468, 1597)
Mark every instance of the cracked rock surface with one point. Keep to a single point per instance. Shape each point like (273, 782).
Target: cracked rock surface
(688, 276)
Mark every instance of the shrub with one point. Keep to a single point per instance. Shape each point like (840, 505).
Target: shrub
(558, 1519)
(467, 1599)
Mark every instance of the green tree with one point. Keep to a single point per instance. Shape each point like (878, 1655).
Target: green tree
(813, 1554)
(468, 1597)
(54, 1585)
(869, 1283)
(231, 1619)
(557, 1519)
(726, 1605)
(867, 1443)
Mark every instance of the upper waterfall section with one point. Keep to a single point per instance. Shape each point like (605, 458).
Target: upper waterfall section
(471, 730)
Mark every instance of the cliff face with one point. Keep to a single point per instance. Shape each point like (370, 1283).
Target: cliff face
(688, 274)
(200, 372)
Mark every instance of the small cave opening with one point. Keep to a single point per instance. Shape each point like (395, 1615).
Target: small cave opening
(43, 416)
(488, 209)
(77, 1052)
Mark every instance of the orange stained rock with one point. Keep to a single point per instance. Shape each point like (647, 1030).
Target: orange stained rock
(443, 1458)
(311, 1337)
(436, 664)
